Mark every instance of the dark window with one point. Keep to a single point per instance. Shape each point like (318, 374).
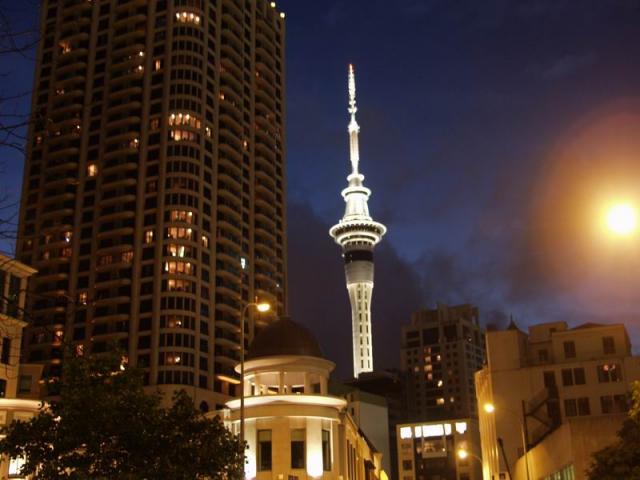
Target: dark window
(578, 376)
(6, 351)
(297, 448)
(549, 379)
(569, 349)
(570, 408)
(606, 404)
(608, 345)
(567, 377)
(264, 450)
(358, 255)
(583, 406)
(326, 450)
(543, 355)
(3, 388)
(24, 384)
(407, 465)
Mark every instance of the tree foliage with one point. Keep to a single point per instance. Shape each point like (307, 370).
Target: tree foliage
(622, 459)
(104, 426)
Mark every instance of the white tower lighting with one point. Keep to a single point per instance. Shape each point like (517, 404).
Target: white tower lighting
(357, 233)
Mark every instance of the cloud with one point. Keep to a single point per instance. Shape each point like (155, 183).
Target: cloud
(565, 66)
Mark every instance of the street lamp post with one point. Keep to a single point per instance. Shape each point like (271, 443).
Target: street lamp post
(262, 308)
(490, 408)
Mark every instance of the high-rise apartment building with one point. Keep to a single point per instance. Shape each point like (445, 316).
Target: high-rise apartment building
(551, 397)
(441, 351)
(154, 188)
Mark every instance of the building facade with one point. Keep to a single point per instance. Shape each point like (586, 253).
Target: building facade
(153, 201)
(293, 427)
(443, 450)
(441, 351)
(556, 395)
(19, 383)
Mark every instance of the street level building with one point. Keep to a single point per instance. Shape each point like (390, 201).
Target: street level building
(153, 201)
(357, 233)
(441, 350)
(556, 395)
(433, 450)
(293, 427)
(19, 383)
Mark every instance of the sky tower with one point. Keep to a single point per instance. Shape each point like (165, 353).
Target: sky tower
(357, 233)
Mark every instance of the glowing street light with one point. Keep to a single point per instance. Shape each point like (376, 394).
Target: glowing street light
(622, 219)
(490, 408)
(462, 454)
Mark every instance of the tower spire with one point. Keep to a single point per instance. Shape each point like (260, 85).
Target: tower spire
(354, 128)
(357, 233)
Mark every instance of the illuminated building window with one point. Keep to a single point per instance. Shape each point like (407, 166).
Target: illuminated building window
(264, 451)
(154, 124)
(174, 322)
(180, 233)
(186, 119)
(174, 285)
(127, 257)
(148, 236)
(134, 143)
(92, 170)
(181, 216)
(440, 401)
(609, 373)
(179, 267)
(205, 241)
(298, 453)
(80, 350)
(188, 17)
(82, 298)
(67, 236)
(173, 358)
(207, 131)
(105, 260)
(179, 135)
(65, 46)
(157, 65)
(58, 335)
(15, 465)
(176, 250)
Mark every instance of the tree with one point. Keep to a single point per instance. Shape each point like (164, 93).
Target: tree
(103, 425)
(622, 459)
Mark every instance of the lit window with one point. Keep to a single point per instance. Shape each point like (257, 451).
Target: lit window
(79, 350)
(186, 119)
(92, 170)
(15, 465)
(154, 124)
(205, 241)
(174, 285)
(179, 267)
(67, 236)
(182, 233)
(173, 358)
(405, 432)
(157, 65)
(82, 298)
(59, 91)
(148, 236)
(174, 322)
(188, 17)
(440, 401)
(58, 335)
(105, 260)
(127, 257)
(181, 216)
(65, 46)
(134, 143)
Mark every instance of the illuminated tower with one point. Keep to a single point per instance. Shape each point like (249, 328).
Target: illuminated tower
(357, 233)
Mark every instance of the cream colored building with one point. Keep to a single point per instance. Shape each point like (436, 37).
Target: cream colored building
(16, 380)
(430, 450)
(293, 427)
(561, 392)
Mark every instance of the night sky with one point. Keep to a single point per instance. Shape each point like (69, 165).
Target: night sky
(493, 134)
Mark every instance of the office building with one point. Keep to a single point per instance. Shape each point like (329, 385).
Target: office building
(439, 450)
(357, 233)
(19, 383)
(153, 201)
(294, 427)
(551, 397)
(441, 351)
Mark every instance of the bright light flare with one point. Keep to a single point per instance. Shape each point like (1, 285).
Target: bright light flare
(462, 454)
(489, 408)
(263, 307)
(621, 219)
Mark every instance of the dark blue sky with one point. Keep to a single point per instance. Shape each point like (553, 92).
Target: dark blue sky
(491, 133)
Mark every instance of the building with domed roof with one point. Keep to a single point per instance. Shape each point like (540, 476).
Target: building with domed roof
(294, 428)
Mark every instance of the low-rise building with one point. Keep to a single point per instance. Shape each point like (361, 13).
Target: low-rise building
(442, 450)
(548, 399)
(294, 428)
(19, 383)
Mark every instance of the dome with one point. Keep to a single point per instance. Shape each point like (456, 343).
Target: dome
(284, 337)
